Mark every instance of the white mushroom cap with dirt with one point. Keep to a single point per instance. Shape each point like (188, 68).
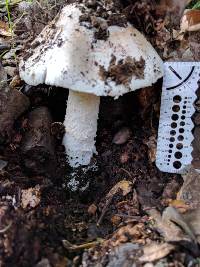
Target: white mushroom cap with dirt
(69, 54)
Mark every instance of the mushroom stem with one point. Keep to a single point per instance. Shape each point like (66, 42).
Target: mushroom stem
(81, 127)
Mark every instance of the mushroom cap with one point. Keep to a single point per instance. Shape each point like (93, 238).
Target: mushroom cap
(190, 20)
(67, 54)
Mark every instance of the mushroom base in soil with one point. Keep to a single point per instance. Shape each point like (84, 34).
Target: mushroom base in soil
(69, 53)
(81, 127)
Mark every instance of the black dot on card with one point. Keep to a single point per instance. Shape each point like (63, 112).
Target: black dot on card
(178, 155)
(175, 117)
(179, 146)
(177, 165)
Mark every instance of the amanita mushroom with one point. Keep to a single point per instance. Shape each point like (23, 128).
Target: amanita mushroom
(69, 54)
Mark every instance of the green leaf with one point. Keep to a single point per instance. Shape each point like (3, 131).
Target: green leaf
(196, 6)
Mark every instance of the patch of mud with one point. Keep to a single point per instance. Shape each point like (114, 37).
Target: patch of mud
(37, 233)
(123, 71)
(102, 14)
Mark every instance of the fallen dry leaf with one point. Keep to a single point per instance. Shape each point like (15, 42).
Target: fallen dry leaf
(31, 197)
(190, 20)
(16, 82)
(155, 251)
(171, 225)
(134, 233)
(115, 219)
(172, 216)
(4, 29)
(124, 185)
(190, 194)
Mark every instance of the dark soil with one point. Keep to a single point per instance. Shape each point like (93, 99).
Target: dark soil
(37, 233)
(32, 235)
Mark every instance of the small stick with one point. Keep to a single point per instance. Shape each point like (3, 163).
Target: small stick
(71, 247)
(104, 210)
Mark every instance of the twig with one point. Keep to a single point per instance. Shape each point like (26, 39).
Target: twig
(69, 246)
(126, 172)
(104, 210)
(2, 231)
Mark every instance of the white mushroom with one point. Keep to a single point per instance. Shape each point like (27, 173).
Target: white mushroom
(67, 54)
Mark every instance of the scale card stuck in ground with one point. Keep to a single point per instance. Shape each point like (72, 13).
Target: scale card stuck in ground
(174, 147)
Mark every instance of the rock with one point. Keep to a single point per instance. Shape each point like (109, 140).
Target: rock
(122, 136)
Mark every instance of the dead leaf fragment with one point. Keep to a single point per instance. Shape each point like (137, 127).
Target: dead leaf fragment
(190, 20)
(171, 225)
(171, 215)
(152, 147)
(16, 82)
(115, 219)
(124, 185)
(4, 29)
(154, 251)
(92, 209)
(135, 233)
(31, 197)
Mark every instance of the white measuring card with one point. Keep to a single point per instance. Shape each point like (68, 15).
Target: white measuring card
(175, 136)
